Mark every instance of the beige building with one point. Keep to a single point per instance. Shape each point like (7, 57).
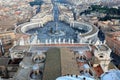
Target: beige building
(7, 37)
(102, 53)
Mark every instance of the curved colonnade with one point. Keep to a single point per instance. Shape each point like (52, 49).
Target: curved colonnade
(88, 37)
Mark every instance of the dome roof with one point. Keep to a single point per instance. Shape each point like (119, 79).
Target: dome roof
(74, 77)
(111, 75)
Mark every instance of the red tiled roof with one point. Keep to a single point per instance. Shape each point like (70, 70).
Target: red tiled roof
(88, 54)
(98, 70)
(111, 42)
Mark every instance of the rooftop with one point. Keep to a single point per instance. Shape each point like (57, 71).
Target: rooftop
(111, 75)
(74, 77)
(63, 62)
(98, 70)
(52, 68)
(68, 62)
(22, 74)
(4, 61)
(103, 47)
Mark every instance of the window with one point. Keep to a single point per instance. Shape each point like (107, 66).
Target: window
(101, 55)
